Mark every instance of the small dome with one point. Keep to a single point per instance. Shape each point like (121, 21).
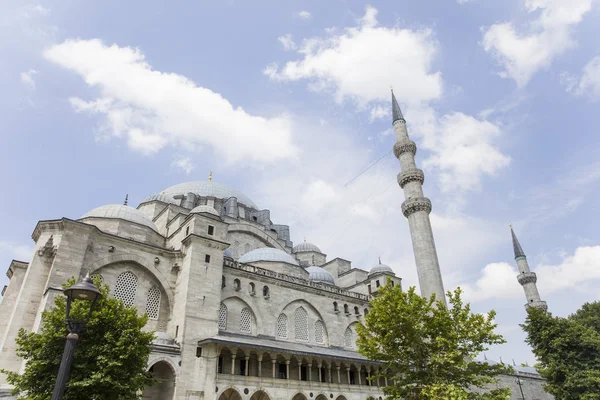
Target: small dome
(268, 254)
(380, 268)
(205, 209)
(305, 247)
(318, 274)
(121, 211)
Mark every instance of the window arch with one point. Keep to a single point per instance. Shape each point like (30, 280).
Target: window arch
(335, 306)
(126, 288)
(246, 321)
(223, 316)
(348, 338)
(282, 326)
(153, 302)
(237, 285)
(319, 332)
(356, 312)
(346, 309)
(266, 292)
(252, 288)
(301, 324)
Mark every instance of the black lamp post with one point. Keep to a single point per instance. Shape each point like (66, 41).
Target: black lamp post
(86, 291)
(520, 387)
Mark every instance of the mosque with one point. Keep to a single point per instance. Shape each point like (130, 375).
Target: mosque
(239, 311)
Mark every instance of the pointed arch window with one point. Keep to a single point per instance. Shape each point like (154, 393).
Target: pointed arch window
(126, 287)
(348, 338)
(282, 326)
(246, 321)
(301, 324)
(319, 332)
(153, 302)
(223, 317)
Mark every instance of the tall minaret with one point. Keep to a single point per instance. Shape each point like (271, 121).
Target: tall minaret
(526, 278)
(416, 209)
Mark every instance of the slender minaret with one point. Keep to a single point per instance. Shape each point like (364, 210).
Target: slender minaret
(416, 209)
(526, 278)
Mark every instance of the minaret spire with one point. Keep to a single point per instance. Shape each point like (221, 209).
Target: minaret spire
(526, 278)
(126, 199)
(416, 209)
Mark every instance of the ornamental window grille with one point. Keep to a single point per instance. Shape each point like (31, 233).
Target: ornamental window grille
(126, 287)
(348, 338)
(153, 302)
(223, 317)
(282, 326)
(246, 321)
(301, 324)
(319, 332)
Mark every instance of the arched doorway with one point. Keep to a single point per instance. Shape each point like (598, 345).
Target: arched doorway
(340, 398)
(321, 397)
(260, 395)
(230, 394)
(299, 396)
(165, 387)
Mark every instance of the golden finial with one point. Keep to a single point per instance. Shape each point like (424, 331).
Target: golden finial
(510, 225)
(210, 177)
(391, 89)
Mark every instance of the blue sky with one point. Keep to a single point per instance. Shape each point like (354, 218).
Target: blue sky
(289, 101)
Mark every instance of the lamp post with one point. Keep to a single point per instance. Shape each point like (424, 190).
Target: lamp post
(520, 387)
(86, 291)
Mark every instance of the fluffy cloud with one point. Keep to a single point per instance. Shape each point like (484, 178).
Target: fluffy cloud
(547, 36)
(16, 251)
(304, 14)
(153, 109)
(360, 63)
(183, 163)
(287, 42)
(588, 83)
(27, 79)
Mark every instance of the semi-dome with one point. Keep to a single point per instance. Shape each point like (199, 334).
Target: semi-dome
(318, 274)
(268, 254)
(202, 189)
(122, 212)
(305, 247)
(205, 209)
(380, 268)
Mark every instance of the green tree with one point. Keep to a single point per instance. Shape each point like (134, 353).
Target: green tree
(568, 351)
(110, 359)
(427, 349)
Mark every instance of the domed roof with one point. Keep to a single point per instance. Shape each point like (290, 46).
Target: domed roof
(318, 274)
(121, 211)
(205, 209)
(202, 189)
(165, 198)
(268, 254)
(380, 268)
(305, 247)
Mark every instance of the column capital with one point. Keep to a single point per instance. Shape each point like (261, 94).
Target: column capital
(410, 175)
(405, 146)
(414, 204)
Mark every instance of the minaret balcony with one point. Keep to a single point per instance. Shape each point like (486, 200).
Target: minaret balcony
(405, 146)
(415, 204)
(527, 277)
(537, 304)
(411, 175)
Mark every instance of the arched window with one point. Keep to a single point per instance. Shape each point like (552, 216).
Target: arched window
(319, 332)
(222, 281)
(153, 302)
(126, 287)
(348, 338)
(301, 323)
(282, 326)
(246, 321)
(346, 310)
(252, 289)
(356, 312)
(237, 285)
(335, 306)
(366, 311)
(223, 317)
(266, 292)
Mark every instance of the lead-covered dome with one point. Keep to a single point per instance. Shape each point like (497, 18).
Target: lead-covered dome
(268, 254)
(318, 274)
(202, 189)
(305, 247)
(380, 268)
(121, 211)
(205, 209)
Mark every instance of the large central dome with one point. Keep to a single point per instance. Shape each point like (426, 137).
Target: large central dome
(208, 189)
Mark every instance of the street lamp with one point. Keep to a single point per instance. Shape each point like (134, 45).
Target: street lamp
(85, 291)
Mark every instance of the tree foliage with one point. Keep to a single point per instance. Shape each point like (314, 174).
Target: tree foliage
(427, 349)
(568, 351)
(110, 359)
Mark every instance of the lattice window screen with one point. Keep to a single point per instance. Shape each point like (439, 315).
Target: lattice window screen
(282, 326)
(319, 332)
(153, 303)
(301, 323)
(126, 287)
(223, 316)
(246, 321)
(348, 338)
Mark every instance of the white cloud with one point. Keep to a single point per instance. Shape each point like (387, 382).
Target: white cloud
(152, 109)
(287, 42)
(183, 163)
(588, 83)
(463, 1)
(498, 281)
(27, 79)
(304, 14)
(16, 251)
(361, 62)
(547, 36)
(379, 112)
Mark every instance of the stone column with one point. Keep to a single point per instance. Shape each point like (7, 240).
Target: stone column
(273, 362)
(385, 380)
(368, 376)
(319, 365)
(287, 369)
(260, 357)
(309, 372)
(299, 370)
(247, 366)
(330, 380)
(348, 373)
(337, 367)
(233, 357)
(359, 377)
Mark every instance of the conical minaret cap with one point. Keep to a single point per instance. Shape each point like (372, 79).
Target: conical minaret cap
(396, 112)
(516, 245)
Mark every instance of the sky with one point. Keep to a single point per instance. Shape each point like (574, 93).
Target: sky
(289, 102)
